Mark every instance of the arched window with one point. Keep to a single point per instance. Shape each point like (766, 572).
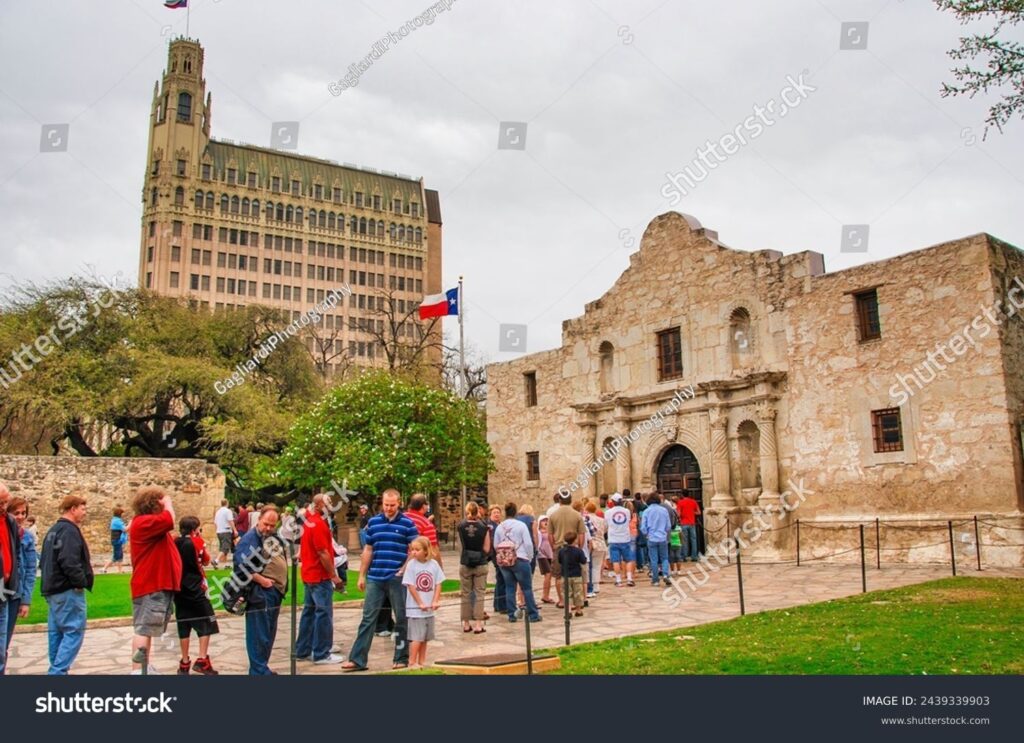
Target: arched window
(312, 217)
(749, 442)
(179, 196)
(289, 214)
(607, 370)
(199, 199)
(224, 201)
(419, 234)
(393, 230)
(245, 207)
(152, 196)
(332, 221)
(321, 219)
(741, 338)
(401, 232)
(373, 228)
(279, 212)
(354, 226)
(256, 207)
(298, 214)
(185, 107)
(362, 225)
(380, 227)
(270, 210)
(341, 222)
(209, 200)
(234, 204)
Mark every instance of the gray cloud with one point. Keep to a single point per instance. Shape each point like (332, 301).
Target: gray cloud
(537, 233)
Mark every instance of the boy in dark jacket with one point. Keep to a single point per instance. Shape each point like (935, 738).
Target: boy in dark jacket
(67, 574)
(572, 559)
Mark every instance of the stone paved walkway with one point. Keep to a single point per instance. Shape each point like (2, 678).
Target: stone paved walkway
(614, 613)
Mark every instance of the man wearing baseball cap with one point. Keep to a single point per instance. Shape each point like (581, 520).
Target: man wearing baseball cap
(561, 521)
(620, 541)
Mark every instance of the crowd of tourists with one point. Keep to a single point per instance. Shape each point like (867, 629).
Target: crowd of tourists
(575, 547)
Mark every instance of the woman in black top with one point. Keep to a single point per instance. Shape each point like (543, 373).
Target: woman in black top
(476, 548)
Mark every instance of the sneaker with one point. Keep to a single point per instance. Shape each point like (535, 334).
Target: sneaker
(591, 595)
(534, 621)
(668, 583)
(383, 633)
(512, 619)
(184, 667)
(630, 583)
(330, 660)
(204, 667)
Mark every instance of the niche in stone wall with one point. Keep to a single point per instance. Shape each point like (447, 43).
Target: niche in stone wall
(607, 368)
(609, 478)
(741, 339)
(748, 437)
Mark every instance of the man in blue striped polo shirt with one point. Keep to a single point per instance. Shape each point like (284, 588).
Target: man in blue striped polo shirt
(388, 536)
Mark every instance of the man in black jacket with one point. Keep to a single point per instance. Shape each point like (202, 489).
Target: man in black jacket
(67, 573)
(8, 569)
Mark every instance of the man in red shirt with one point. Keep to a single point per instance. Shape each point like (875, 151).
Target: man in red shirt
(156, 569)
(319, 576)
(417, 513)
(688, 510)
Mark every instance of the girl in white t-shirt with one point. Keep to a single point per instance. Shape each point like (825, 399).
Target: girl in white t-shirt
(423, 578)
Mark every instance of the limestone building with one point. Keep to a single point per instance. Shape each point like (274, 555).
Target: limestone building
(231, 224)
(892, 390)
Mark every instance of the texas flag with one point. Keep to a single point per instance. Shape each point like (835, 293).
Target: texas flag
(440, 305)
(175, 3)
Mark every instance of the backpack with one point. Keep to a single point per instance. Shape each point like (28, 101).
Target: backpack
(505, 552)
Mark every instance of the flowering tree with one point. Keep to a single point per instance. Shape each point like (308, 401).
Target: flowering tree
(382, 431)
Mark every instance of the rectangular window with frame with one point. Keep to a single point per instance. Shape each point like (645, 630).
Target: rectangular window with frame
(670, 355)
(530, 382)
(869, 327)
(533, 465)
(887, 430)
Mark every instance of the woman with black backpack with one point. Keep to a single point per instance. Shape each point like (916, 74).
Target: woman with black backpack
(475, 537)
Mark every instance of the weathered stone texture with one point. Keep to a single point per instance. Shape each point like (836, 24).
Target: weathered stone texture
(195, 487)
(771, 348)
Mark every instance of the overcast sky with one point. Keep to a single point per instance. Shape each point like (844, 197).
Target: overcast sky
(614, 95)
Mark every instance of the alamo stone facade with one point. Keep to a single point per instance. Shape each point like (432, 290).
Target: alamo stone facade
(892, 390)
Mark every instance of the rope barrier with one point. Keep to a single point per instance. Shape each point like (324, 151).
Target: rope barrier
(997, 526)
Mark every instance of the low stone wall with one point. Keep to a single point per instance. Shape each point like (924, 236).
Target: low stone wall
(896, 541)
(105, 482)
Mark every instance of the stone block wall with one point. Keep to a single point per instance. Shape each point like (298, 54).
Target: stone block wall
(195, 486)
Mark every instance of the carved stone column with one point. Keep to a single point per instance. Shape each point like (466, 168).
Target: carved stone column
(588, 439)
(720, 461)
(623, 464)
(769, 456)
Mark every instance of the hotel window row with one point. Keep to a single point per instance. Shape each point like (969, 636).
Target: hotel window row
(276, 184)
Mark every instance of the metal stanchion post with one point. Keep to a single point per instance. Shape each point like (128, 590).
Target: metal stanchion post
(977, 541)
(863, 564)
(529, 648)
(952, 550)
(141, 656)
(798, 542)
(565, 604)
(878, 545)
(739, 577)
(295, 604)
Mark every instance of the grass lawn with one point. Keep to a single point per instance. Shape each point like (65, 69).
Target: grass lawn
(950, 626)
(111, 595)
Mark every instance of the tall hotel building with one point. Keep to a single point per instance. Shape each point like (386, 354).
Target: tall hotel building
(227, 225)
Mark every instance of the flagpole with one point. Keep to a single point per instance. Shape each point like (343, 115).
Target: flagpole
(463, 383)
(188, 17)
